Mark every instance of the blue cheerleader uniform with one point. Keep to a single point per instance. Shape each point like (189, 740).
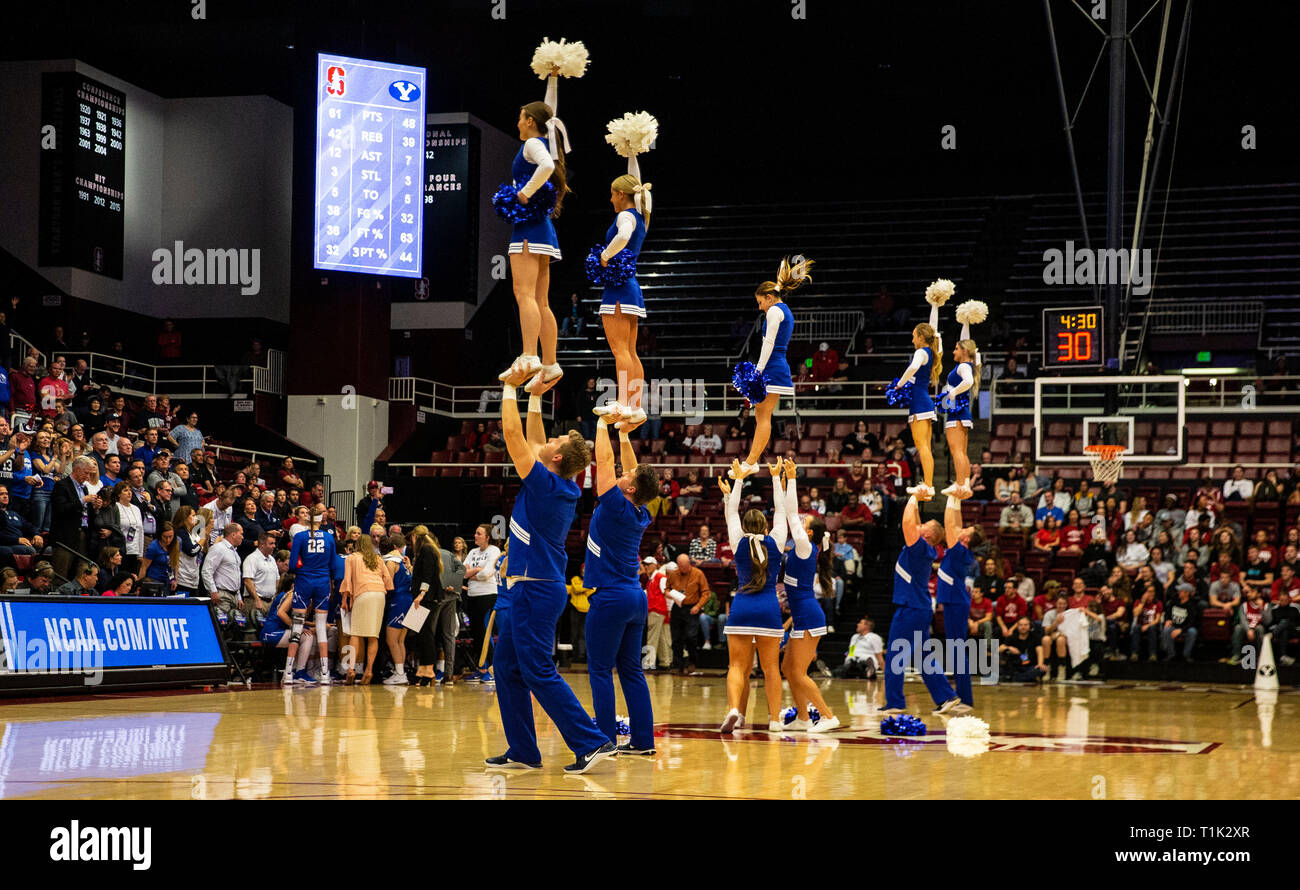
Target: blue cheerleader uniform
(909, 628)
(808, 617)
(952, 594)
(922, 407)
(400, 603)
(756, 613)
(777, 369)
(625, 297)
(963, 416)
(540, 233)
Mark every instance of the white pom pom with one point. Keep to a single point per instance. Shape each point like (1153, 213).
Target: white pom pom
(972, 312)
(632, 134)
(570, 58)
(939, 292)
(967, 736)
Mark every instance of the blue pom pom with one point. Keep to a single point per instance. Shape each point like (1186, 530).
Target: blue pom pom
(899, 398)
(903, 724)
(506, 203)
(949, 405)
(620, 268)
(813, 714)
(749, 382)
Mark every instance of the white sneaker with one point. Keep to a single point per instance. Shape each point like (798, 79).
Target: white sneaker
(776, 726)
(951, 490)
(734, 721)
(288, 680)
(707, 646)
(529, 363)
(826, 724)
(609, 408)
(546, 377)
(397, 680)
(947, 706)
(325, 678)
(745, 470)
(636, 415)
(798, 726)
(963, 708)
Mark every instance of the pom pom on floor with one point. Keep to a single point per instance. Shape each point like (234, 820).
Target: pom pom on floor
(967, 736)
(789, 715)
(621, 726)
(940, 292)
(903, 724)
(972, 312)
(750, 382)
(618, 270)
(570, 58)
(632, 134)
(506, 203)
(899, 398)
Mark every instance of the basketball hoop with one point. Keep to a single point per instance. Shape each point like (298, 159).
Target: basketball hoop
(1107, 462)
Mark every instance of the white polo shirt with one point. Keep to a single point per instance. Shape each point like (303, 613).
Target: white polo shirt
(264, 572)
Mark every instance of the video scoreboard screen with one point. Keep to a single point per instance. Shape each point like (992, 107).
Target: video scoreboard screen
(370, 133)
(83, 173)
(1072, 338)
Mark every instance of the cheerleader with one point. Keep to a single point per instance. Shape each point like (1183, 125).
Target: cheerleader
(533, 244)
(924, 372)
(622, 305)
(963, 386)
(951, 593)
(778, 325)
(808, 566)
(755, 619)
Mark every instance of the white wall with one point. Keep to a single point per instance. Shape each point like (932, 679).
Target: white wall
(214, 173)
(348, 439)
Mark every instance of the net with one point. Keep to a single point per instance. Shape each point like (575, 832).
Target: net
(1107, 462)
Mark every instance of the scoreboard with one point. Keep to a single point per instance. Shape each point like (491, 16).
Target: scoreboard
(83, 173)
(1072, 338)
(370, 133)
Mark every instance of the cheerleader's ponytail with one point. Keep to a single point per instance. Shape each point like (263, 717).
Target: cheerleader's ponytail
(638, 191)
(794, 272)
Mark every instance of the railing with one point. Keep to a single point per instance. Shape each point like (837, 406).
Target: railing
(446, 400)
(1168, 317)
(1232, 394)
(813, 325)
(256, 455)
(271, 378)
(506, 469)
(19, 347)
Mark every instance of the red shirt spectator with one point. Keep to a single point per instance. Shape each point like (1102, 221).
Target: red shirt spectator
(1221, 568)
(979, 607)
(22, 386)
(654, 591)
(169, 342)
(1043, 603)
(855, 513)
(1290, 584)
(1080, 600)
(1010, 608)
(825, 362)
(1072, 538)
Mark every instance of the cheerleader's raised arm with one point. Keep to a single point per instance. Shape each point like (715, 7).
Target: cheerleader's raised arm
(963, 386)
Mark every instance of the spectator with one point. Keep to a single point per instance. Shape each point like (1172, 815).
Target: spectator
(668, 491)
(1115, 612)
(714, 615)
(1021, 652)
(855, 514)
(1015, 516)
(1180, 626)
(1224, 566)
(1056, 651)
(1009, 608)
(1203, 509)
(1281, 620)
(53, 386)
(169, 342)
(84, 583)
(1084, 501)
(1133, 554)
(989, 581)
(1072, 535)
(1161, 566)
(690, 493)
(22, 386)
(120, 524)
(658, 638)
(17, 536)
(825, 362)
(866, 653)
(1048, 538)
(1148, 614)
(573, 319)
(40, 580)
(1047, 509)
(1290, 557)
(897, 468)
(160, 560)
(707, 443)
(72, 505)
(860, 441)
(1287, 582)
(838, 497)
(703, 548)
(1247, 627)
(579, 603)
(1238, 487)
(188, 436)
(981, 483)
(288, 476)
(691, 583)
(1225, 593)
(1258, 572)
(1060, 496)
(1194, 546)
(366, 507)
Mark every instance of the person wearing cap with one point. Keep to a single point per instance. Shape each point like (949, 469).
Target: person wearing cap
(112, 428)
(825, 362)
(658, 637)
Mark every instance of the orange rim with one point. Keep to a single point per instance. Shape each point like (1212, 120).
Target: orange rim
(1106, 452)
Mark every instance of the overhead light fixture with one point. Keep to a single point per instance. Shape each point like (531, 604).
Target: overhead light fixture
(1216, 372)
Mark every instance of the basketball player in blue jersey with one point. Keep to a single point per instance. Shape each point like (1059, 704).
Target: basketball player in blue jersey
(952, 594)
(616, 619)
(311, 557)
(910, 627)
(539, 523)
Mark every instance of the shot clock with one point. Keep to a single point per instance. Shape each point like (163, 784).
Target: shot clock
(1072, 337)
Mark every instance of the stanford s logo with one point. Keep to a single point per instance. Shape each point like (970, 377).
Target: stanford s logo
(334, 80)
(404, 91)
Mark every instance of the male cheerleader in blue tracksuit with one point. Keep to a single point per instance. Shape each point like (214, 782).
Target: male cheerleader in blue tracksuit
(312, 558)
(952, 594)
(539, 523)
(910, 627)
(616, 619)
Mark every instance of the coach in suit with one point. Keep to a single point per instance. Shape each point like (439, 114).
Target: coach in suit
(72, 506)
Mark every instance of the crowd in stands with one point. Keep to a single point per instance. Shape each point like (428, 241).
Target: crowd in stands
(1151, 570)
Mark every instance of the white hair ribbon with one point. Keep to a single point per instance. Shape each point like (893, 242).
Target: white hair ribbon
(826, 540)
(757, 549)
(641, 196)
(553, 125)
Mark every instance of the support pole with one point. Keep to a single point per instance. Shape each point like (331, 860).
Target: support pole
(1115, 172)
